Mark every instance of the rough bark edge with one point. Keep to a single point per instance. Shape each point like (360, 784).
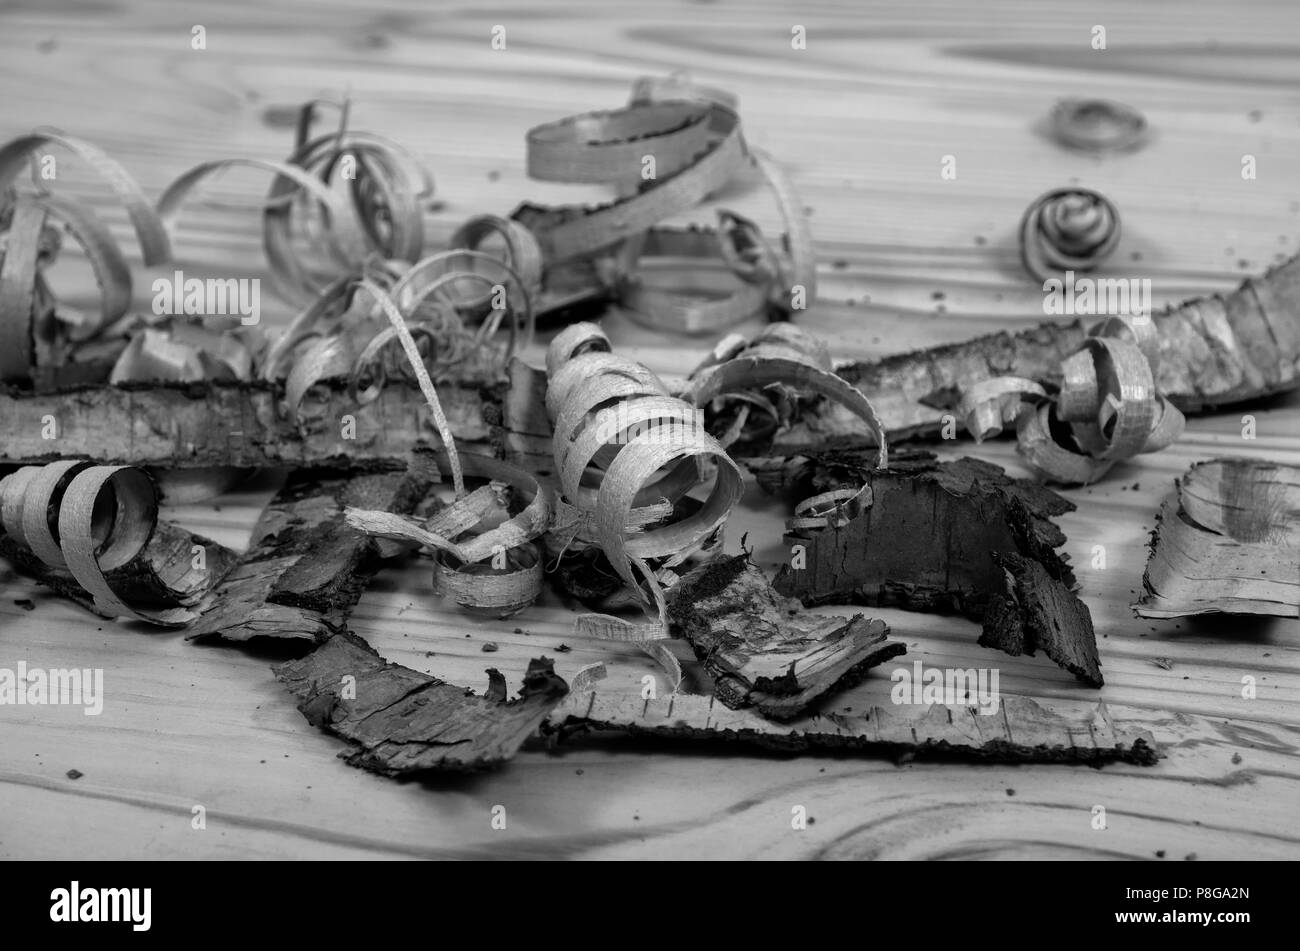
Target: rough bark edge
(400, 722)
(1038, 612)
(1199, 370)
(1022, 732)
(1023, 597)
(229, 423)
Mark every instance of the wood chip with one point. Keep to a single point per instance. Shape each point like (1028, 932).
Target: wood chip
(761, 649)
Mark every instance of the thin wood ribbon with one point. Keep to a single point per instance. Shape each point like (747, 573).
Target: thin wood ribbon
(30, 226)
(693, 135)
(1068, 229)
(1107, 409)
(387, 188)
(622, 444)
(784, 356)
(464, 567)
(88, 520)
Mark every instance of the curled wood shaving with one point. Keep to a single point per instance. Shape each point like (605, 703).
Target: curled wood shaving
(388, 186)
(91, 521)
(786, 358)
(1108, 408)
(35, 334)
(107, 263)
(1068, 229)
(341, 337)
(622, 443)
(782, 360)
(288, 272)
(422, 376)
(523, 254)
(497, 572)
(18, 277)
(149, 229)
(387, 190)
(989, 405)
(1213, 351)
(692, 134)
(616, 422)
(375, 233)
(439, 277)
(1098, 125)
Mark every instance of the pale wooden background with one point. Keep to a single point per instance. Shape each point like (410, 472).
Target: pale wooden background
(863, 117)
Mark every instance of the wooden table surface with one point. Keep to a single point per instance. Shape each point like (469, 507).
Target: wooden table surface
(863, 118)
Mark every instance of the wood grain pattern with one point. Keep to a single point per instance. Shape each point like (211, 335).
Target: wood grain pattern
(863, 119)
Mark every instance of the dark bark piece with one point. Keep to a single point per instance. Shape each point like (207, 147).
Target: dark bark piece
(931, 539)
(1022, 730)
(761, 649)
(306, 568)
(1213, 351)
(1227, 541)
(324, 579)
(224, 423)
(163, 575)
(1037, 612)
(401, 721)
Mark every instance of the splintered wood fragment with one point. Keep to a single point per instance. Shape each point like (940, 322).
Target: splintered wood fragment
(960, 537)
(761, 649)
(1227, 541)
(1213, 351)
(1020, 731)
(401, 721)
(306, 567)
(229, 423)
